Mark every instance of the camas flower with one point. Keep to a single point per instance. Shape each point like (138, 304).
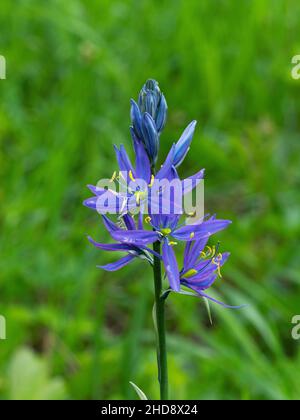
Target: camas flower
(126, 222)
(167, 230)
(142, 185)
(202, 266)
(136, 192)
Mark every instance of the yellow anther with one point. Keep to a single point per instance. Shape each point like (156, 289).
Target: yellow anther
(148, 219)
(192, 235)
(219, 257)
(138, 197)
(213, 251)
(151, 182)
(192, 214)
(217, 263)
(210, 251)
(131, 176)
(172, 243)
(121, 175)
(190, 273)
(114, 176)
(166, 231)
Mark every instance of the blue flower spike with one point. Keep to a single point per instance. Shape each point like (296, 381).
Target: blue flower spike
(149, 219)
(148, 118)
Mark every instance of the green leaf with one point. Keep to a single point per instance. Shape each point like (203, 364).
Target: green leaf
(166, 293)
(156, 336)
(154, 318)
(208, 309)
(139, 392)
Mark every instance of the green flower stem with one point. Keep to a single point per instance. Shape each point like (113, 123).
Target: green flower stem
(160, 325)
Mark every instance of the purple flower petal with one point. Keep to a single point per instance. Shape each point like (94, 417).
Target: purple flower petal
(136, 237)
(123, 247)
(165, 197)
(164, 171)
(96, 190)
(91, 203)
(140, 221)
(183, 144)
(110, 247)
(110, 226)
(191, 254)
(111, 202)
(171, 266)
(105, 201)
(123, 160)
(118, 264)
(129, 222)
(191, 182)
(136, 118)
(145, 248)
(200, 231)
(187, 256)
(161, 116)
(200, 283)
(143, 168)
(220, 303)
(150, 136)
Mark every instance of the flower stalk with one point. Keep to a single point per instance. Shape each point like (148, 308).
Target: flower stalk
(160, 325)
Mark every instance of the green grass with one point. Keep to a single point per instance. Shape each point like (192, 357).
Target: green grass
(72, 67)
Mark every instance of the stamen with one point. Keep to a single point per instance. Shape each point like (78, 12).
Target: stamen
(121, 175)
(148, 219)
(172, 243)
(210, 261)
(209, 250)
(192, 235)
(217, 262)
(219, 257)
(151, 182)
(191, 214)
(131, 176)
(114, 176)
(138, 197)
(124, 205)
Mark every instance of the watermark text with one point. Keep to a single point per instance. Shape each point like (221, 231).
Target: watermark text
(2, 328)
(296, 69)
(124, 194)
(2, 67)
(296, 329)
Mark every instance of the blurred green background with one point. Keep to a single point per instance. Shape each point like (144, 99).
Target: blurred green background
(72, 66)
